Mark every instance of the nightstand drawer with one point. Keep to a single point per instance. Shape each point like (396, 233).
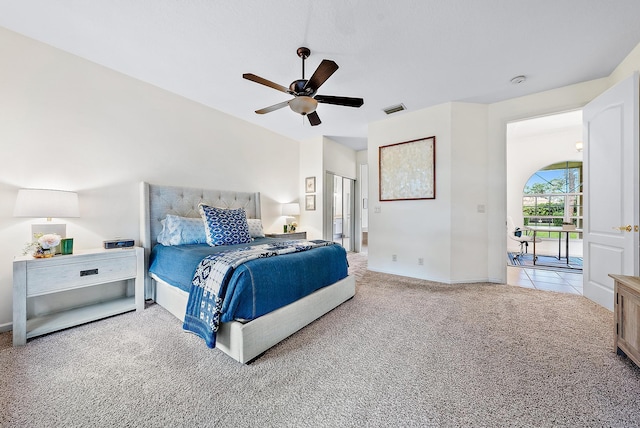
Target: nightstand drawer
(48, 279)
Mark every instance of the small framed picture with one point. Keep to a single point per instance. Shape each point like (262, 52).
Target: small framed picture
(310, 185)
(310, 203)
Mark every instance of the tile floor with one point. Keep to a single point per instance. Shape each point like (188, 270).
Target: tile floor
(541, 279)
(550, 280)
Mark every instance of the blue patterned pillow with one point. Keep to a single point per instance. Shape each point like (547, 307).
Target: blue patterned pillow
(178, 230)
(225, 227)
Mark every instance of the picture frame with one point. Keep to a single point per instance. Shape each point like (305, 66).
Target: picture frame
(310, 202)
(310, 185)
(407, 170)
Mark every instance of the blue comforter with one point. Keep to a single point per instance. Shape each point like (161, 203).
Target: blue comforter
(259, 286)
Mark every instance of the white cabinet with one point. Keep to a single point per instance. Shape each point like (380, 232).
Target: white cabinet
(39, 277)
(626, 313)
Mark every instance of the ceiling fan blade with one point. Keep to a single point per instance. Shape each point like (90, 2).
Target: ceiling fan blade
(265, 82)
(314, 119)
(322, 73)
(273, 107)
(340, 101)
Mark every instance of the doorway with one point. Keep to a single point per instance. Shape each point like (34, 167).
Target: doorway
(535, 148)
(339, 221)
(364, 211)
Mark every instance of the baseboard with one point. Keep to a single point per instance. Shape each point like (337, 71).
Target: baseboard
(470, 281)
(6, 327)
(441, 281)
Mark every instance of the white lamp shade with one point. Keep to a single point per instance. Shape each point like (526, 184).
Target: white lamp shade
(46, 203)
(291, 209)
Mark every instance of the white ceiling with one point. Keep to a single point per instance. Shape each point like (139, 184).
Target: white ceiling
(416, 52)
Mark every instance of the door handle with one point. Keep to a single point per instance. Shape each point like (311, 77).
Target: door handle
(626, 228)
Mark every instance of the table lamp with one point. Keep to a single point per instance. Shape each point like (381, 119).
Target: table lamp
(289, 211)
(45, 203)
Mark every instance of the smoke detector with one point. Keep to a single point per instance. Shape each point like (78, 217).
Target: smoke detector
(518, 79)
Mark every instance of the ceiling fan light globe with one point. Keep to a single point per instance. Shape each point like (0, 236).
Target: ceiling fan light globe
(303, 105)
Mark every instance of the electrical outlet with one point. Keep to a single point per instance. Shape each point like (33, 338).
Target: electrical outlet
(377, 209)
(420, 262)
(394, 258)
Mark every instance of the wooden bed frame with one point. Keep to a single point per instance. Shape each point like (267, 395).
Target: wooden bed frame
(241, 341)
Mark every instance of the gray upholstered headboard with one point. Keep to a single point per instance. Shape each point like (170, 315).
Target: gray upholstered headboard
(158, 201)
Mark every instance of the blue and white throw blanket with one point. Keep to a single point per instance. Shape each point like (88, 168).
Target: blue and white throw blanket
(210, 281)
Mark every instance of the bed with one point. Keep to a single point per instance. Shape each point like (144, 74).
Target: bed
(244, 339)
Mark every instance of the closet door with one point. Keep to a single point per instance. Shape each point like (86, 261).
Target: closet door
(339, 221)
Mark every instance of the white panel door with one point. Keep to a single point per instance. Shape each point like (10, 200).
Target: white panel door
(610, 189)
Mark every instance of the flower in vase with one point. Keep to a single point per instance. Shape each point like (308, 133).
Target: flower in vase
(292, 226)
(48, 241)
(43, 246)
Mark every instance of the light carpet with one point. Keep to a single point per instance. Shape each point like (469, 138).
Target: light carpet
(402, 352)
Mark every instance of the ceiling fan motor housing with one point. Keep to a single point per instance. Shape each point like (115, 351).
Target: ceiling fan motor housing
(298, 88)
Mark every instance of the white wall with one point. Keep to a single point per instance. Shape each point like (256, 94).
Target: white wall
(69, 124)
(449, 232)
(311, 166)
(469, 193)
(412, 229)
(339, 159)
(361, 198)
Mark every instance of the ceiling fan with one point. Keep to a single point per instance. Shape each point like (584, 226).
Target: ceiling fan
(305, 99)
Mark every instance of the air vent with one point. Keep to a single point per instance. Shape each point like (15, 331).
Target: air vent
(394, 109)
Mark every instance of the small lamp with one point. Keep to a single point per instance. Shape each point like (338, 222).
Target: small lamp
(45, 203)
(289, 211)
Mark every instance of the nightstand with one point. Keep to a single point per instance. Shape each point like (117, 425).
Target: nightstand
(39, 277)
(293, 235)
(626, 314)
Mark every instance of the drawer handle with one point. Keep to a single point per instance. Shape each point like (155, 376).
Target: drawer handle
(88, 272)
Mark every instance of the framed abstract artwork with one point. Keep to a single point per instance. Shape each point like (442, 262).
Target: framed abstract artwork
(407, 170)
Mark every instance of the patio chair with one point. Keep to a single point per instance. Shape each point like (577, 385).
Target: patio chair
(519, 236)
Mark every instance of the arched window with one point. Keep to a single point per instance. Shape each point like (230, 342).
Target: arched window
(553, 195)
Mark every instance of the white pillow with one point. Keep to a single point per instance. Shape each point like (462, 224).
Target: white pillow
(178, 230)
(255, 228)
